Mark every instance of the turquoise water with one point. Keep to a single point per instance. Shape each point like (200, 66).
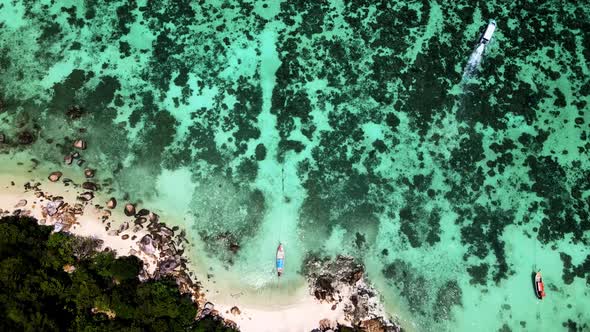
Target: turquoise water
(335, 127)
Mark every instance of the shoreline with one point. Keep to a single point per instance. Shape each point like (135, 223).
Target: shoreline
(30, 194)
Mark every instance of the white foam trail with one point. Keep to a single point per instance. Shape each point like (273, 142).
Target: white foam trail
(473, 62)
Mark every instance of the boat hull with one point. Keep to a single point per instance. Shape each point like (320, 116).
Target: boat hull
(486, 36)
(538, 285)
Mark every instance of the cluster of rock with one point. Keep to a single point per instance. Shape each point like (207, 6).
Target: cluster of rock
(341, 282)
(168, 244)
(20, 209)
(158, 244)
(207, 309)
(76, 156)
(164, 245)
(55, 211)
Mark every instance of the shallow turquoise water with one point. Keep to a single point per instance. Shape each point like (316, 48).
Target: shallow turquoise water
(336, 127)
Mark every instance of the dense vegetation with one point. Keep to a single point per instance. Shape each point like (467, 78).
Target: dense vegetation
(58, 282)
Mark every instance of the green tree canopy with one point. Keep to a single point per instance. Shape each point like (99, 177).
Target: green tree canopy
(102, 293)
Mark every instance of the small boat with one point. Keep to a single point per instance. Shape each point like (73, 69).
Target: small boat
(280, 259)
(486, 36)
(539, 286)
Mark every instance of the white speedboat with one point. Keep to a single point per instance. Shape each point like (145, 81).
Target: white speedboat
(486, 36)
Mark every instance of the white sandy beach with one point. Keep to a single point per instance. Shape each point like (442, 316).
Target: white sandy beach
(303, 313)
(88, 224)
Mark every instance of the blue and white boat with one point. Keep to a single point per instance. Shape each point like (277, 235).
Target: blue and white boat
(280, 259)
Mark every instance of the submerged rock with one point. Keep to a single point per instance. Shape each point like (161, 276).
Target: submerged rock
(234, 247)
(90, 186)
(89, 172)
(129, 210)
(74, 112)
(2, 138)
(142, 213)
(25, 138)
(68, 159)
(55, 176)
(80, 144)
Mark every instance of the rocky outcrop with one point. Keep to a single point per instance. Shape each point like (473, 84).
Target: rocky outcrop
(52, 207)
(129, 210)
(80, 144)
(162, 246)
(374, 325)
(85, 196)
(341, 282)
(327, 325)
(235, 310)
(142, 213)
(90, 186)
(146, 245)
(112, 203)
(55, 176)
(89, 173)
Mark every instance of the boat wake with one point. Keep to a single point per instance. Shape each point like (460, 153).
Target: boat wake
(474, 61)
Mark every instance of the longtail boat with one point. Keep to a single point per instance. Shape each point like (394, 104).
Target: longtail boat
(539, 286)
(280, 259)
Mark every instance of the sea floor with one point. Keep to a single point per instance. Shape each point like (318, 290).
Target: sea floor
(376, 130)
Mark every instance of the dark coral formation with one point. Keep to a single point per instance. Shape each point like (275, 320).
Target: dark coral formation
(390, 142)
